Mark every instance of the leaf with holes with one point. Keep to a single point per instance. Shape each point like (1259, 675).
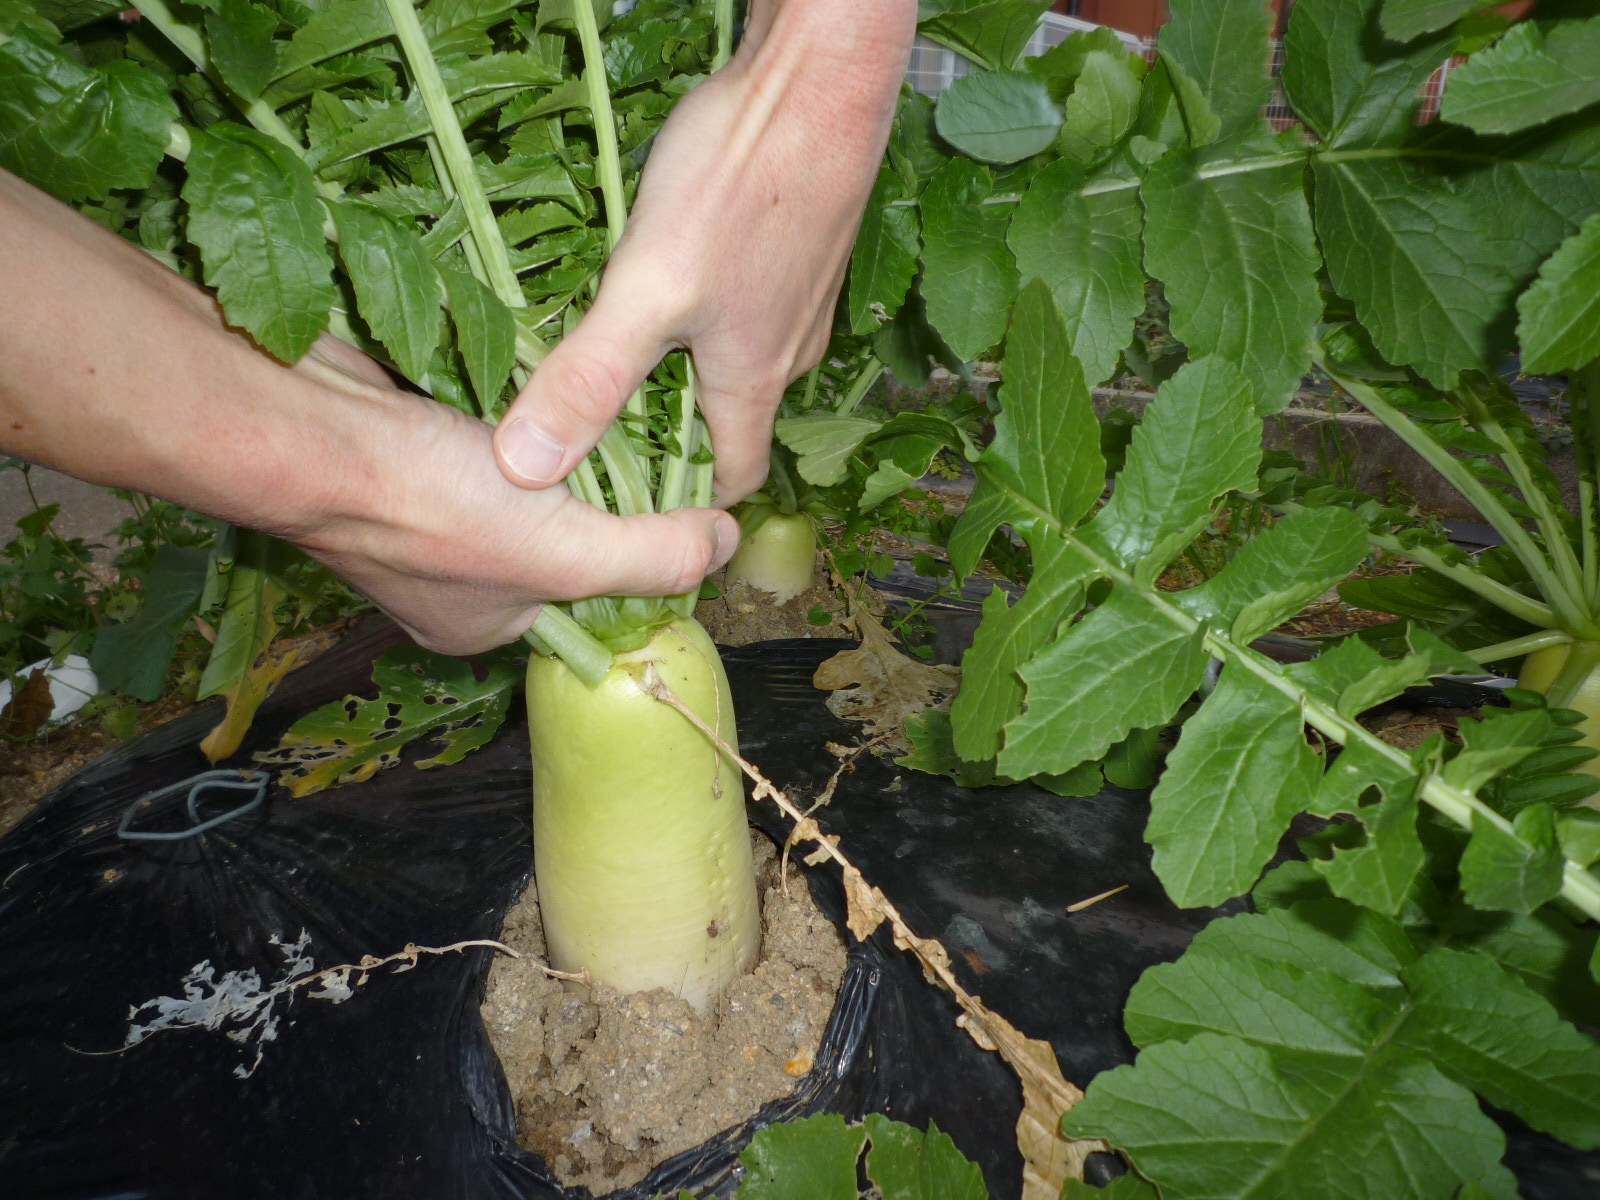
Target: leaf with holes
(420, 694)
(878, 685)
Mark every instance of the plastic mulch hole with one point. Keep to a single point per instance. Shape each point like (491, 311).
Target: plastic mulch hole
(199, 787)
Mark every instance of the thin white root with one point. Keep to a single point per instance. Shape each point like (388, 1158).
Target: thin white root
(237, 998)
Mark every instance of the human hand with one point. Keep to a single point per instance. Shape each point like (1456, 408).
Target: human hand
(737, 244)
(456, 554)
(119, 371)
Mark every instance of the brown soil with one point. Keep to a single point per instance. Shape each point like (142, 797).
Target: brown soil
(30, 768)
(608, 1086)
(743, 614)
(1408, 729)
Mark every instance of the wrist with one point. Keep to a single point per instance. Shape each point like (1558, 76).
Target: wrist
(853, 55)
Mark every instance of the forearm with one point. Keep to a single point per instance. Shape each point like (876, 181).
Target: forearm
(116, 370)
(836, 67)
(868, 39)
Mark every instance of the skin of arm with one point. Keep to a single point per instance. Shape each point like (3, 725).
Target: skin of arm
(738, 240)
(118, 371)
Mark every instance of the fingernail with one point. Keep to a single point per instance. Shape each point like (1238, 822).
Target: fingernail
(727, 542)
(530, 452)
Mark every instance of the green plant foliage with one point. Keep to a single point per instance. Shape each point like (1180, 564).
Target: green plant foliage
(1446, 281)
(1236, 255)
(802, 1160)
(1404, 20)
(1198, 439)
(1240, 771)
(997, 116)
(1330, 1044)
(1084, 243)
(1038, 467)
(395, 282)
(1128, 633)
(991, 32)
(1222, 46)
(1532, 75)
(1314, 1016)
(1304, 1026)
(969, 276)
(254, 214)
(1350, 88)
(420, 694)
(242, 46)
(909, 1164)
(1560, 312)
(823, 443)
(1278, 572)
(67, 15)
(1303, 1052)
(1517, 870)
(133, 657)
(933, 751)
(1358, 99)
(816, 1158)
(884, 259)
(1124, 1187)
(486, 333)
(77, 131)
(1103, 107)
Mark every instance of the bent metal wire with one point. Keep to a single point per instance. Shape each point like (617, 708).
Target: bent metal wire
(253, 782)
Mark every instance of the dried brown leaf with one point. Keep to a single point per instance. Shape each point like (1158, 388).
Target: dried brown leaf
(864, 904)
(29, 709)
(880, 686)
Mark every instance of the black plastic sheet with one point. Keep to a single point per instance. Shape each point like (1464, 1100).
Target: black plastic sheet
(395, 1092)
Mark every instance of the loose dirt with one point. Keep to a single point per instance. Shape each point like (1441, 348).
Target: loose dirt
(32, 767)
(743, 614)
(607, 1086)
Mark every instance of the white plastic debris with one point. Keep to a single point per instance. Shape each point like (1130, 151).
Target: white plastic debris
(72, 684)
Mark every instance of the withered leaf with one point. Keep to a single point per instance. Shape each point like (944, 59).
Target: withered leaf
(29, 709)
(864, 913)
(1049, 1157)
(880, 686)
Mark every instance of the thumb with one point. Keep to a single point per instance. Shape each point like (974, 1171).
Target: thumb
(576, 393)
(661, 554)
